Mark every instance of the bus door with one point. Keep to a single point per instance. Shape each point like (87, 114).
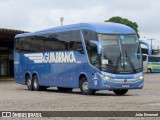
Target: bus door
(145, 62)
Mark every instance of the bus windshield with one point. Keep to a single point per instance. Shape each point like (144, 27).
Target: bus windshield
(120, 53)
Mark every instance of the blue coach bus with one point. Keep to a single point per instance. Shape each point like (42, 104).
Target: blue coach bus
(89, 56)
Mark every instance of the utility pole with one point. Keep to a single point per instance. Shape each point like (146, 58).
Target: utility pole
(61, 20)
(151, 42)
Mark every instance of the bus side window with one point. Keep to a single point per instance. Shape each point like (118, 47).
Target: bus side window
(17, 45)
(76, 46)
(77, 42)
(23, 45)
(53, 42)
(89, 35)
(30, 44)
(73, 41)
(54, 45)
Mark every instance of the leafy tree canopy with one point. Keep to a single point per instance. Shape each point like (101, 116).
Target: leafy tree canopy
(124, 21)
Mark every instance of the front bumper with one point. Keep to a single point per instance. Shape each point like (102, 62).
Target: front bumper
(119, 82)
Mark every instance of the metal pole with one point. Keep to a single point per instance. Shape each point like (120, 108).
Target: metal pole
(151, 42)
(61, 19)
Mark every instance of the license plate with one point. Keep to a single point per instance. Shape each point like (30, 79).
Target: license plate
(125, 86)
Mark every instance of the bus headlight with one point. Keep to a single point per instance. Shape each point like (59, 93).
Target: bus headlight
(105, 77)
(140, 77)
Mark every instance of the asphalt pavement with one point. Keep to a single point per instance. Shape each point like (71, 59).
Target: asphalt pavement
(16, 97)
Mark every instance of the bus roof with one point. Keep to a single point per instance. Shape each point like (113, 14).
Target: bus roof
(105, 27)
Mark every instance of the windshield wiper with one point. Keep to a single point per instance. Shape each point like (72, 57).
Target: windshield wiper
(130, 62)
(117, 63)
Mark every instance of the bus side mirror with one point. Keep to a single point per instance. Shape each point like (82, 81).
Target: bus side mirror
(97, 44)
(148, 46)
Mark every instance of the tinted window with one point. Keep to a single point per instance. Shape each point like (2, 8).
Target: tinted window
(50, 42)
(73, 41)
(64, 41)
(17, 44)
(89, 35)
(54, 42)
(30, 44)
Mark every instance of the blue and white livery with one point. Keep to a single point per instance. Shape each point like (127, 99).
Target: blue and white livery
(89, 56)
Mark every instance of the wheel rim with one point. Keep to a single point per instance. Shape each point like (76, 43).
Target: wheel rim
(149, 70)
(29, 82)
(85, 86)
(35, 83)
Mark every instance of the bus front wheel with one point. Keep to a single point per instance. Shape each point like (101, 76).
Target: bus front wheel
(120, 92)
(149, 70)
(84, 87)
(36, 86)
(29, 83)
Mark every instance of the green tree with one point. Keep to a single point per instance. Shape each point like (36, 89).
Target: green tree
(124, 21)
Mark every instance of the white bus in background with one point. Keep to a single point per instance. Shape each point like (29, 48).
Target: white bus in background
(145, 62)
(151, 63)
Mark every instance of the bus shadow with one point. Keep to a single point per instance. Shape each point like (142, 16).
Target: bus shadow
(79, 93)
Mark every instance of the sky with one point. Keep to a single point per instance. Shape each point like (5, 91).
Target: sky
(33, 15)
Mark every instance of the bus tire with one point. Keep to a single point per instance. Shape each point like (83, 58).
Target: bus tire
(84, 87)
(149, 70)
(44, 88)
(120, 92)
(36, 86)
(29, 83)
(62, 89)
